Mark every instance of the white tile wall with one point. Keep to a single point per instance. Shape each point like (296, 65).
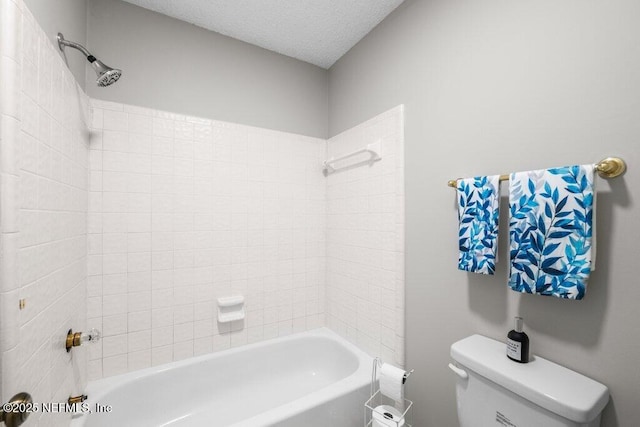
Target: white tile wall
(164, 213)
(365, 240)
(183, 210)
(44, 139)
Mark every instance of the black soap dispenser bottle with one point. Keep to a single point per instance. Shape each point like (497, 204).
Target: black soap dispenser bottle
(518, 343)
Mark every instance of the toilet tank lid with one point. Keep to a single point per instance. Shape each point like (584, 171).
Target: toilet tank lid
(549, 385)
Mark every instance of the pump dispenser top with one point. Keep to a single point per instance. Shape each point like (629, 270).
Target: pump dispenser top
(518, 343)
(518, 324)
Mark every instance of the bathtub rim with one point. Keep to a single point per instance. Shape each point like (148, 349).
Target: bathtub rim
(361, 377)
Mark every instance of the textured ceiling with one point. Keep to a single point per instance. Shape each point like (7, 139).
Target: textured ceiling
(315, 31)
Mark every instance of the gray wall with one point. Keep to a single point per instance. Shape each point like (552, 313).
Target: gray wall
(492, 86)
(70, 18)
(171, 65)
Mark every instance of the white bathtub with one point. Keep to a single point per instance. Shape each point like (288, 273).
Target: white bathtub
(311, 379)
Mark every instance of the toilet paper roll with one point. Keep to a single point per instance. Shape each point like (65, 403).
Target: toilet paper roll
(387, 416)
(391, 382)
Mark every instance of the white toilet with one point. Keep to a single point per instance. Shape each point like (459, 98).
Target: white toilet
(494, 391)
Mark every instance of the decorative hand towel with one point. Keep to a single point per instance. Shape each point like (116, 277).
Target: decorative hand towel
(478, 211)
(551, 231)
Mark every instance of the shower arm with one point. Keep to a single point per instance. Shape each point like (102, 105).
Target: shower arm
(62, 42)
(106, 75)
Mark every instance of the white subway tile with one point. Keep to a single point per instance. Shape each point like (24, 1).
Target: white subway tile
(161, 355)
(114, 365)
(139, 301)
(161, 336)
(113, 263)
(202, 346)
(139, 359)
(106, 105)
(161, 317)
(114, 140)
(183, 350)
(114, 304)
(114, 325)
(139, 281)
(140, 124)
(163, 127)
(139, 340)
(115, 120)
(139, 321)
(139, 261)
(114, 345)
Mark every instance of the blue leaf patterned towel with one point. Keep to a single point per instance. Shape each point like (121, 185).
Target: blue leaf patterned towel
(478, 211)
(551, 231)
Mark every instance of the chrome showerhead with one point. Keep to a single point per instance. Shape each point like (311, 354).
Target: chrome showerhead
(106, 74)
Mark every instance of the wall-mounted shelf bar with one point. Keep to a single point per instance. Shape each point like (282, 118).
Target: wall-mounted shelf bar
(611, 167)
(372, 149)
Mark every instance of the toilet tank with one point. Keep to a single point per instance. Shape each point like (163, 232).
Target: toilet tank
(494, 391)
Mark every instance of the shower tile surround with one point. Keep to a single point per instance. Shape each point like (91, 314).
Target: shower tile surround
(184, 210)
(136, 227)
(44, 137)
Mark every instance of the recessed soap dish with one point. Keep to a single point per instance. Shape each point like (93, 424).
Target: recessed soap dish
(230, 309)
